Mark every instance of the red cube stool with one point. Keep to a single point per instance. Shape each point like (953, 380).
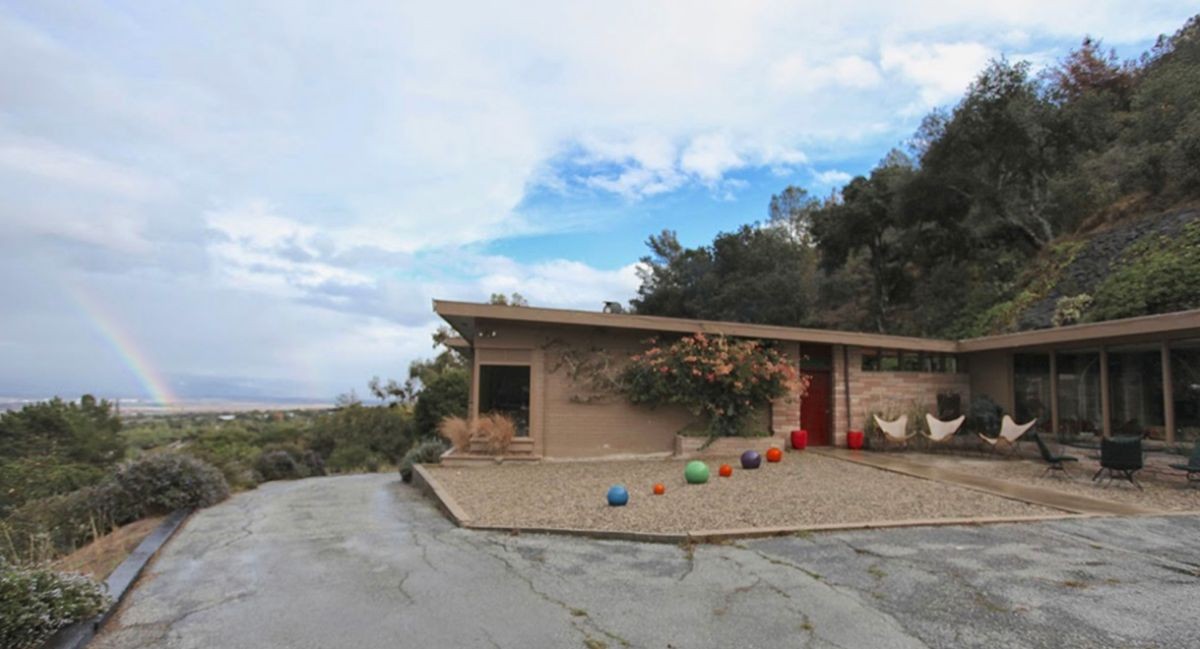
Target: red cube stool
(799, 439)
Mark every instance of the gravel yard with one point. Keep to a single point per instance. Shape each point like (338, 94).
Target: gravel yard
(804, 489)
(1161, 490)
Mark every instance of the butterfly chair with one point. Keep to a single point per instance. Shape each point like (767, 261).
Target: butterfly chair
(1053, 462)
(894, 431)
(941, 432)
(1010, 433)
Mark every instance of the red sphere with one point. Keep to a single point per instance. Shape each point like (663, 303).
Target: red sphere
(660, 489)
(725, 471)
(774, 454)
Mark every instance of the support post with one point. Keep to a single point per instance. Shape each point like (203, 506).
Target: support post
(1105, 397)
(1054, 392)
(1168, 386)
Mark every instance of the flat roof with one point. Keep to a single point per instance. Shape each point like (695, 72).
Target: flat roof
(462, 316)
(1179, 324)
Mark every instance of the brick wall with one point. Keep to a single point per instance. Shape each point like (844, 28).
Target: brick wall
(785, 411)
(872, 391)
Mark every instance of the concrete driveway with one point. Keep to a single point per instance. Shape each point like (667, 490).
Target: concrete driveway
(364, 561)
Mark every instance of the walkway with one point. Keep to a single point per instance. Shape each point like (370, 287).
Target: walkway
(1073, 503)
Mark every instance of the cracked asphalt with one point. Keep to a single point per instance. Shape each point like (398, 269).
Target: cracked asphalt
(365, 561)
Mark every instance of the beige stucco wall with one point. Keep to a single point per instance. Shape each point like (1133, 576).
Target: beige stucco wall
(564, 422)
(991, 376)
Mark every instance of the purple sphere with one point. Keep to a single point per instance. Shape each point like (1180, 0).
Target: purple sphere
(751, 460)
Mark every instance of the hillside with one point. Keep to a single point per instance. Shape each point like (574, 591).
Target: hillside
(1137, 266)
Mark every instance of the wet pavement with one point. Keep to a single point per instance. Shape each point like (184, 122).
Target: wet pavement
(364, 561)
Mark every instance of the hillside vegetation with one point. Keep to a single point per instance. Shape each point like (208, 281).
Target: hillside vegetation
(1037, 200)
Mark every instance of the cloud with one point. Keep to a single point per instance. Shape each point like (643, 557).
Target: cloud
(941, 71)
(300, 192)
(832, 177)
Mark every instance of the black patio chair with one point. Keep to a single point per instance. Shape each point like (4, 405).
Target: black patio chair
(1053, 462)
(1192, 468)
(1120, 457)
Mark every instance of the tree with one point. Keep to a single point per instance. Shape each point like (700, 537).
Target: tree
(756, 274)
(500, 299)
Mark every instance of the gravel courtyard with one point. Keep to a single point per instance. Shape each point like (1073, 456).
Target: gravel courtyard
(804, 489)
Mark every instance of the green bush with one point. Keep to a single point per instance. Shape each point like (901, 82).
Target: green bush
(347, 458)
(162, 483)
(277, 465)
(34, 603)
(429, 452)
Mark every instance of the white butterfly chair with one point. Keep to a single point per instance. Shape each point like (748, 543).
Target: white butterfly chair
(894, 431)
(1010, 433)
(942, 432)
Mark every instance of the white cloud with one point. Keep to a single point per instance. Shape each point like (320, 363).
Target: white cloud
(942, 71)
(832, 177)
(75, 169)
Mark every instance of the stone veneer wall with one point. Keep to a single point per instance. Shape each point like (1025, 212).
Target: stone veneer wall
(870, 391)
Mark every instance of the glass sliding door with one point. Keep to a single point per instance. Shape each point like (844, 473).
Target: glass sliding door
(1031, 387)
(1185, 374)
(1135, 387)
(1079, 407)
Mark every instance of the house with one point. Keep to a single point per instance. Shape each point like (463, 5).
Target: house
(545, 368)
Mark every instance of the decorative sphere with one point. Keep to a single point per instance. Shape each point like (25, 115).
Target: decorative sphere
(696, 472)
(617, 496)
(725, 471)
(660, 489)
(774, 454)
(751, 460)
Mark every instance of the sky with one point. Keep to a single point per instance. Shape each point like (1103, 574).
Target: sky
(260, 199)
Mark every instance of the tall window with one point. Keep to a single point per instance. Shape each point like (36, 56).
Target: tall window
(1185, 374)
(1079, 407)
(1135, 384)
(1031, 387)
(505, 389)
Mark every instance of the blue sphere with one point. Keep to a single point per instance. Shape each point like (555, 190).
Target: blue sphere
(618, 496)
(751, 460)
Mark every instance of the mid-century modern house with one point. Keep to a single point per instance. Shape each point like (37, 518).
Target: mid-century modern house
(1137, 376)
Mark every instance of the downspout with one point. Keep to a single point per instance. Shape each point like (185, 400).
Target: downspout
(846, 383)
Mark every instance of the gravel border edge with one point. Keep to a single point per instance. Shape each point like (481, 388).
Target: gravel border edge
(119, 583)
(429, 485)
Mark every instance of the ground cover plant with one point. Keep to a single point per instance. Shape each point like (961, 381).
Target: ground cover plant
(35, 602)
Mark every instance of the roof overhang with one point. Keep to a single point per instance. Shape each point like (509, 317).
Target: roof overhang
(463, 316)
(1181, 324)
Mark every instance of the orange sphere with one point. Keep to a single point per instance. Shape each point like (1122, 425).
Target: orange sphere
(660, 489)
(725, 471)
(774, 454)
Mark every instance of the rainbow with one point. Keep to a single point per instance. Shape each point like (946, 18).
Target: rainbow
(110, 328)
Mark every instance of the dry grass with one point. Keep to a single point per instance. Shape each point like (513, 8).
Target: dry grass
(100, 557)
(496, 431)
(457, 431)
(804, 489)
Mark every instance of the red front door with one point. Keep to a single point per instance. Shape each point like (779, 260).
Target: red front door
(814, 409)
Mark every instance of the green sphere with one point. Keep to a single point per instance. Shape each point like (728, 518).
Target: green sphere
(696, 472)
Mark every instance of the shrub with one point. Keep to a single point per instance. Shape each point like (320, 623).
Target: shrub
(457, 431)
(719, 378)
(162, 483)
(429, 452)
(984, 416)
(34, 603)
(496, 431)
(44, 529)
(354, 457)
(278, 465)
